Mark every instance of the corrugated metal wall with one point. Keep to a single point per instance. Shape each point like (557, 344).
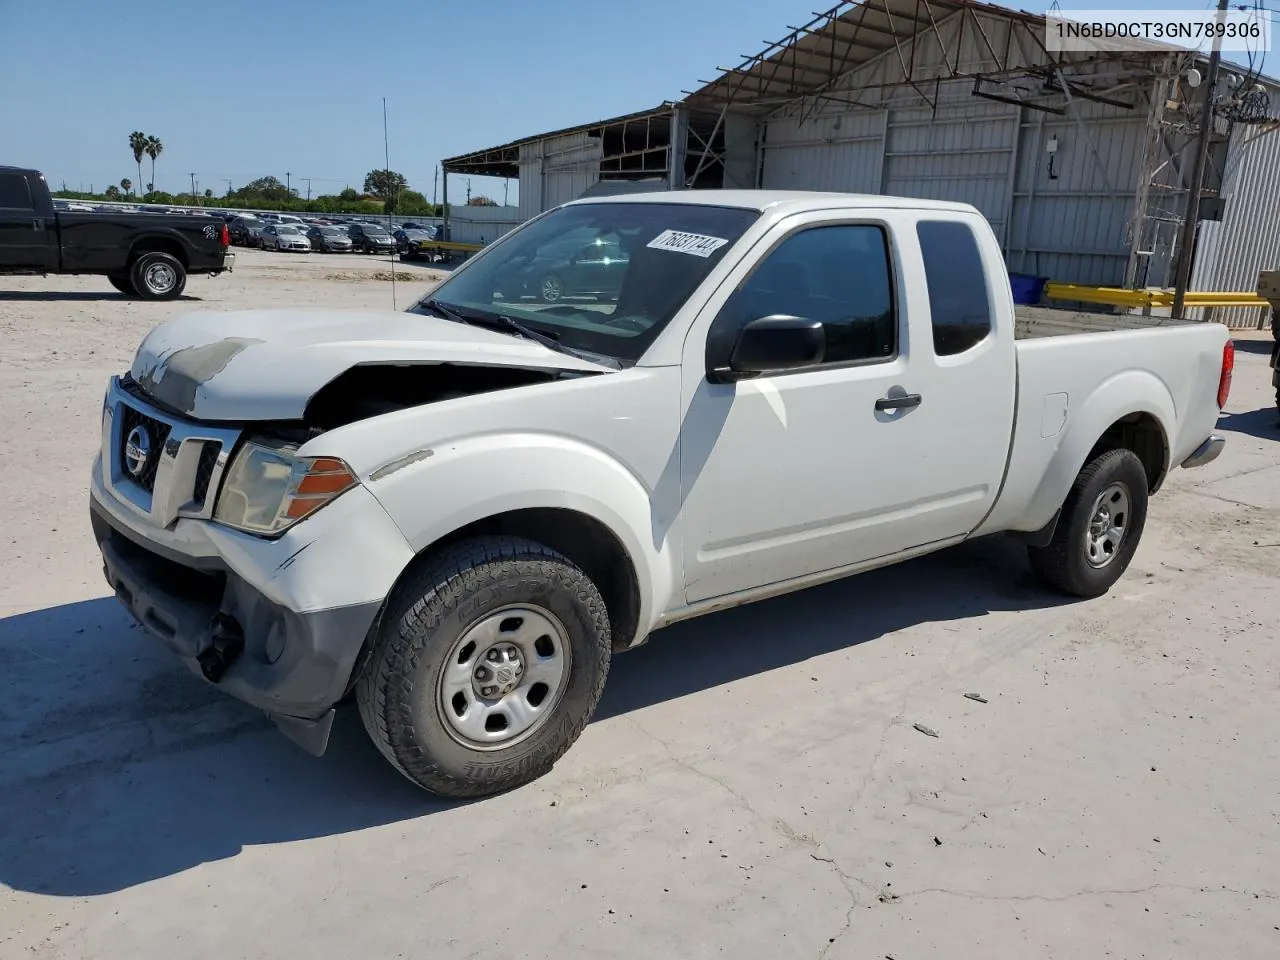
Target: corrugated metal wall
(1069, 223)
(482, 224)
(557, 170)
(1230, 253)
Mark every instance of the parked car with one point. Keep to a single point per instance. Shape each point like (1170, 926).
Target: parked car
(284, 236)
(462, 512)
(329, 239)
(413, 244)
(571, 267)
(371, 238)
(147, 255)
(241, 229)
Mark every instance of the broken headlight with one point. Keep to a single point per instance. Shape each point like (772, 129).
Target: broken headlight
(268, 488)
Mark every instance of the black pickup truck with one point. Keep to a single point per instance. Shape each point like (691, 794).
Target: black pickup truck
(148, 255)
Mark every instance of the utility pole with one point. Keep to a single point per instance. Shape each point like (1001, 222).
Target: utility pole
(228, 179)
(308, 182)
(1186, 248)
(468, 191)
(194, 200)
(435, 180)
(506, 185)
(287, 189)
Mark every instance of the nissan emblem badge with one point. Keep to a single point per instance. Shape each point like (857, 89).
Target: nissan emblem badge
(137, 451)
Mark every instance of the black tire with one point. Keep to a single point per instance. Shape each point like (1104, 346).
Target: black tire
(429, 613)
(158, 276)
(122, 283)
(1065, 563)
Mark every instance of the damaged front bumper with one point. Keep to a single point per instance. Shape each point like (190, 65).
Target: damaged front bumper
(278, 624)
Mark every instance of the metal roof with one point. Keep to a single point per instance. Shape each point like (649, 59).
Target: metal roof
(813, 58)
(503, 161)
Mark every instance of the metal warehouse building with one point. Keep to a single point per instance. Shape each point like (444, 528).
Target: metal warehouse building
(1081, 161)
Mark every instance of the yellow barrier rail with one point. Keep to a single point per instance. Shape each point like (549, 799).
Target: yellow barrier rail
(1119, 297)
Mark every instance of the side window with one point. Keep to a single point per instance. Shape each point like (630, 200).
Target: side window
(840, 275)
(14, 192)
(955, 276)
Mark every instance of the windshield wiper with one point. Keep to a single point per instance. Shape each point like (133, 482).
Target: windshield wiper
(500, 321)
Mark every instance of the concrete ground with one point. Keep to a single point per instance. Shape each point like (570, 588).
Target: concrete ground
(754, 785)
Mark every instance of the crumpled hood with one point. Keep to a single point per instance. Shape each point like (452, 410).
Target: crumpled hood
(266, 364)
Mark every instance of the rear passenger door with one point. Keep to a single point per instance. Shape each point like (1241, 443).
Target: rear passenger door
(885, 447)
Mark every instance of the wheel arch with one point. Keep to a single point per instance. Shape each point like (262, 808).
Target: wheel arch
(158, 243)
(1134, 411)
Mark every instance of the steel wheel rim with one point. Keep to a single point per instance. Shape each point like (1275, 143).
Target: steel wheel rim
(551, 289)
(160, 277)
(504, 677)
(1109, 523)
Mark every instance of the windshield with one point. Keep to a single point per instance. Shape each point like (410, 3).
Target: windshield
(285, 228)
(330, 231)
(600, 277)
(374, 231)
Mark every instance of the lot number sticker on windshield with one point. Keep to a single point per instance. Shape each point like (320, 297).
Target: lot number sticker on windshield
(695, 243)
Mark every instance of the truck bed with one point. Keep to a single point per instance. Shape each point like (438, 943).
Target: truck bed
(1032, 323)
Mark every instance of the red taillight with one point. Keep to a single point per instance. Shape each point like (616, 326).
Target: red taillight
(225, 237)
(1224, 381)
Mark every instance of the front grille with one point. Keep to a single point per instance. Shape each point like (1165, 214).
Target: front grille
(204, 470)
(157, 434)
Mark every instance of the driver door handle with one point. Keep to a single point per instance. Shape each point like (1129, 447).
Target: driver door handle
(905, 402)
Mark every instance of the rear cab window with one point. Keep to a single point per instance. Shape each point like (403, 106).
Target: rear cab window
(15, 193)
(955, 275)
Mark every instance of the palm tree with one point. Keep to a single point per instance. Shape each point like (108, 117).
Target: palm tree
(153, 149)
(138, 144)
(126, 184)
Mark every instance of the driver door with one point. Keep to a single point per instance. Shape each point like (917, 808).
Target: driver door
(796, 473)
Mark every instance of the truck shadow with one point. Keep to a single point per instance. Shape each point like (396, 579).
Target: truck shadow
(1263, 347)
(1263, 424)
(36, 296)
(118, 767)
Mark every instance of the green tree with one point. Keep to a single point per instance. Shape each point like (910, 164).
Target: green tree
(386, 186)
(348, 196)
(153, 149)
(138, 144)
(479, 200)
(411, 202)
(126, 184)
(112, 192)
(265, 188)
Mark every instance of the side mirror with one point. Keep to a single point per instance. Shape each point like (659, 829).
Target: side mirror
(771, 344)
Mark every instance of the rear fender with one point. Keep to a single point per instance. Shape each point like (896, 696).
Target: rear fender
(1130, 392)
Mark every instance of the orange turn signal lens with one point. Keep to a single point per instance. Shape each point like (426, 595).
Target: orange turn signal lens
(324, 479)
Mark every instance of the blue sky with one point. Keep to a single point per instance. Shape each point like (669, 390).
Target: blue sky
(239, 89)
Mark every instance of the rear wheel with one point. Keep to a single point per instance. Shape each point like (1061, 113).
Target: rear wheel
(122, 283)
(158, 276)
(1099, 529)
(488, 665)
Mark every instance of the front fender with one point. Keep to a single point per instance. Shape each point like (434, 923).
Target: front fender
(438, 490)
(1130, 392)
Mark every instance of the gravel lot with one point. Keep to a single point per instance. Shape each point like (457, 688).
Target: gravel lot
(753, 786)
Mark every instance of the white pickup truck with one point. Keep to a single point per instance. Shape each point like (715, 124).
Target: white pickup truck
(459, 512)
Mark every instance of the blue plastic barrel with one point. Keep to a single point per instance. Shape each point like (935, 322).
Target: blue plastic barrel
(1027, 289)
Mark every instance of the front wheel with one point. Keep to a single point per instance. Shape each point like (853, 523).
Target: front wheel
(158, 276)
(488, 663)
(1099, 529)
